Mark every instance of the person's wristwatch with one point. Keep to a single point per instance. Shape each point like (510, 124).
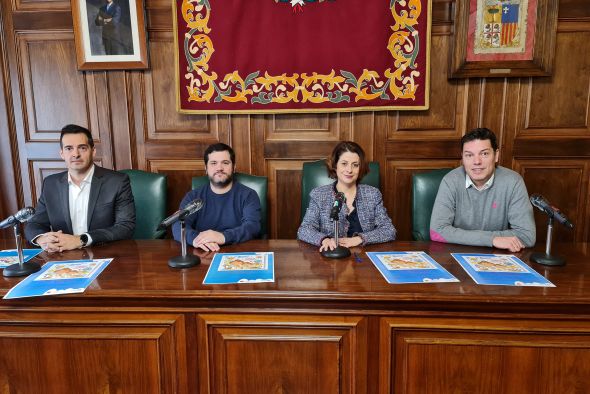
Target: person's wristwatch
(83, 240)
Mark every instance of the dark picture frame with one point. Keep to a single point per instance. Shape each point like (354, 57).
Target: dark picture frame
(535, 58)
(110, 34)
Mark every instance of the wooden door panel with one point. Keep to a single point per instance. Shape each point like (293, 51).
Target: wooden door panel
(92, 353)
(484, 356)
(282, 354)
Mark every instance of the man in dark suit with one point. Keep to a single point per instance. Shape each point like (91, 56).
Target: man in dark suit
(84, 205)
(109, 17)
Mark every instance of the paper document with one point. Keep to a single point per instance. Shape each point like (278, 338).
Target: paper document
(409, 267)
(241, 268)
(59, 277)
(500, 269)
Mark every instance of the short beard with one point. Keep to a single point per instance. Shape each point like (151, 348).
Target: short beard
(224, 183)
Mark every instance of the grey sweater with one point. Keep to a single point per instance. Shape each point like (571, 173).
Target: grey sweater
(473, 217)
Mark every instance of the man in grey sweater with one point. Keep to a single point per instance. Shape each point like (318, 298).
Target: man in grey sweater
(481, 204)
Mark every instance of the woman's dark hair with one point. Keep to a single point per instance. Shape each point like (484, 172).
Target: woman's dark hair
(347, 146)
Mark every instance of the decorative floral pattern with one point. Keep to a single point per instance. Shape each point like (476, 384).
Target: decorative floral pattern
(259, 87)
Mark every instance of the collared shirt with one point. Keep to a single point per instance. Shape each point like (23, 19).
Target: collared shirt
(79, 197)
(487, 185)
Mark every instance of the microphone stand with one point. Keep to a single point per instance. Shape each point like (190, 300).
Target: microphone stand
(546, 258)
(184, 261)
(340, 252)
(20, 268)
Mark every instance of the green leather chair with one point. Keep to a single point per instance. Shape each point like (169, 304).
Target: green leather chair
(149, 193)
(315, 174)
(258, 183)
(424, 189)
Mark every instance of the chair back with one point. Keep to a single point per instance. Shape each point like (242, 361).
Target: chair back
(424, 189)
(258, 183)
(315, 173)
(149, 193)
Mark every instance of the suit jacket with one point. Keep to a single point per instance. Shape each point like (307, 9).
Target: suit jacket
(375, 222)
(111, 209)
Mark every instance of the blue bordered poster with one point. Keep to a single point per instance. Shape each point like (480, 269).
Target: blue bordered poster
(59, 277)
(242, 267)
(409, 267)
(500, 269)
(10, 256)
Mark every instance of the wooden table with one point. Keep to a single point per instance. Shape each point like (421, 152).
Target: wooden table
(323, 326)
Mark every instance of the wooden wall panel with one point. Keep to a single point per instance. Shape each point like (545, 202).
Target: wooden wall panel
(54, 92)
(443, 356)
(558, 105)
(284, 189)
(564, 183)
(40, 5)
(252, 354)
(123, 353)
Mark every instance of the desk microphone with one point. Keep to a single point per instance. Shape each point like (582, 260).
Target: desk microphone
(340, 252)
(553, 213)
(20, 217)
(337, 207)
(20, 268)
(181, 214)
(540, 202)
(185, 260)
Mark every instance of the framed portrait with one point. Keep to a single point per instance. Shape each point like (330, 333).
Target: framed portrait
(109, 34)
(503, 38)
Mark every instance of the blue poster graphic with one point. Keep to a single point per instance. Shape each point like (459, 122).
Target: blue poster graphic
(409, 267)
(59, 277)
(10, 256)
(500, 269)
(249, 267)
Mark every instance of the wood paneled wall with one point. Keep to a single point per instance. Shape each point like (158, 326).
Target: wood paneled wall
(542, 123)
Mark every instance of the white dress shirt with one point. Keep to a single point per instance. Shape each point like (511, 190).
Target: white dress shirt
(487, 185)
(78, 201)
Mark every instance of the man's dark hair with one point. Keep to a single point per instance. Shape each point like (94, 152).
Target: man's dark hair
(480, 133)
(220, 147)
(75, 129)
(347, 146)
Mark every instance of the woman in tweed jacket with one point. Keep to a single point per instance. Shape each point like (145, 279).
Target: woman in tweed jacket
(362, 220)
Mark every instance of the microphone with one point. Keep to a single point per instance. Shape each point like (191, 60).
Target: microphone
(540, 202)
(181, 214)
(20, 217)
(338, 203)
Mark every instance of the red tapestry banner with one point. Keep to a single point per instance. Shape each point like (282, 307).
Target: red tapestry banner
(269, 56)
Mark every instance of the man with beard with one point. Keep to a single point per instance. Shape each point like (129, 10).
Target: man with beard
(231, 211)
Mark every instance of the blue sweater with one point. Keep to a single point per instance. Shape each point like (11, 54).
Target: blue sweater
(236, 214)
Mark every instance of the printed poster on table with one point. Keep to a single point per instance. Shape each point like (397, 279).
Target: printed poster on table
(500, 269)
(59, 277)
(409, 267)
(10, 256)
(250, 267)
(276, 56)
